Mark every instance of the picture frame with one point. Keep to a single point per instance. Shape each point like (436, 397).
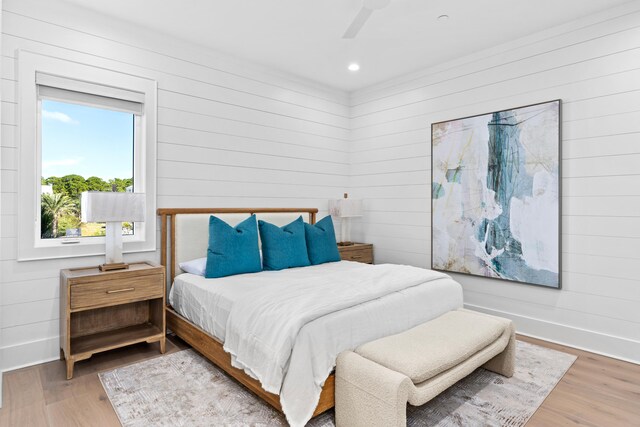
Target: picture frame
(496, 194)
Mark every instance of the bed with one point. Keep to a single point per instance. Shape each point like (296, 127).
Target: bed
(348, 304)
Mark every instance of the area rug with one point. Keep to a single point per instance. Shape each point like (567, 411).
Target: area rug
(184, 389)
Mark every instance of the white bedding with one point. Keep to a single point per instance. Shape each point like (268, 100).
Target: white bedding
(304, 348)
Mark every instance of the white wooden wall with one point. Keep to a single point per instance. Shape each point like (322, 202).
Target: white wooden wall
(230, 134)
(594, 66)
(1, 351)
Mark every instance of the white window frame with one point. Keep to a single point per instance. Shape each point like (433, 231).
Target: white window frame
(95, 81)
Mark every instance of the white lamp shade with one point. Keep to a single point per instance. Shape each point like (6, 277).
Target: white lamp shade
(345, 208)
(99, 206)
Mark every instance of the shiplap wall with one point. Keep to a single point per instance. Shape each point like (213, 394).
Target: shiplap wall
(1, 352)
(593, 65)
(230, 134)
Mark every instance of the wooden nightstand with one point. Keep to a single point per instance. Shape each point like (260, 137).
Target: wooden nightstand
(360, 252)
(101, 311)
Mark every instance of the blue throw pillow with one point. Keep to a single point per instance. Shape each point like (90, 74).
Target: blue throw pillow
(321, 242)
(232, 250)
(283, 247)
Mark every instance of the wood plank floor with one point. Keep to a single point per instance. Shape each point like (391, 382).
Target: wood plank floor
(596, 391)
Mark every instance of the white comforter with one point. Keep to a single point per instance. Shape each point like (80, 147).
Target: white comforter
(289, 333)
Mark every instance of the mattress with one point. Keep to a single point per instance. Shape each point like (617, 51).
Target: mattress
(208, 303)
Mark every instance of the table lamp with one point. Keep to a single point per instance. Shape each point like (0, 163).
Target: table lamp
(112, 208)
(345, 209)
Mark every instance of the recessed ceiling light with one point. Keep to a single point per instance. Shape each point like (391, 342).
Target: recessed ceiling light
(353, 67)
(443, 18)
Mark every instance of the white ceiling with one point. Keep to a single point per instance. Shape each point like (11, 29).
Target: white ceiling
(304, 37)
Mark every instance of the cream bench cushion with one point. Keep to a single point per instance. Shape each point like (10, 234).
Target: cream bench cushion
(436, 346)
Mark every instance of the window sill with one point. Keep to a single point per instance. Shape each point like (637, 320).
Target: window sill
(79, 251)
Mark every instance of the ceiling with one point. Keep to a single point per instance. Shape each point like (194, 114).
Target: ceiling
(304, 37)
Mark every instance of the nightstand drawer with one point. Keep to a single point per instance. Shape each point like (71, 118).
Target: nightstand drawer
(112, 292)
(357, 256)
(358, 252)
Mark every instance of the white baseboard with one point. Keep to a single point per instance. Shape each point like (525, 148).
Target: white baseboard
(30, 353)
(581, 339)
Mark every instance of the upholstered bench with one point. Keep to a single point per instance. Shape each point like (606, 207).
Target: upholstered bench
(375, 382)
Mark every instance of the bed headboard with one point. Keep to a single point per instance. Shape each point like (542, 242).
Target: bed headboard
(185, 231)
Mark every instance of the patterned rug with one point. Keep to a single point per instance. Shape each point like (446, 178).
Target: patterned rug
(184, 389)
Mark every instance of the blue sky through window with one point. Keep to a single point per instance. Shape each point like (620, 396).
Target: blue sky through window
(86, 141)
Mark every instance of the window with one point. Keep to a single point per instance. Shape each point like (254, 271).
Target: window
(84, 148)
(82, 128)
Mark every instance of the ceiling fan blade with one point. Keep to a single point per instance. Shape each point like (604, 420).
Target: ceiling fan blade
(358, 22)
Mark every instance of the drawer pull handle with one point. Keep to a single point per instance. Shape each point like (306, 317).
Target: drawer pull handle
(115, 291)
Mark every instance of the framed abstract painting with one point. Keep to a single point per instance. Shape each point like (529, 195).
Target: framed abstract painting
(495, 203)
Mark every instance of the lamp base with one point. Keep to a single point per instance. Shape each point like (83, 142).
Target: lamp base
(346, 243)
(114, 266)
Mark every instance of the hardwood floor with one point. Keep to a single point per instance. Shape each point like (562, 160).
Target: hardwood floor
(41, 395)
(596, 391)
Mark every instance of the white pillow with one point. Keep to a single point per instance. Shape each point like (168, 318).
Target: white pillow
(195, 266)
(198, 266)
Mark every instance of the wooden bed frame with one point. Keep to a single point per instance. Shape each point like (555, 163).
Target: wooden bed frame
(200, 340)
